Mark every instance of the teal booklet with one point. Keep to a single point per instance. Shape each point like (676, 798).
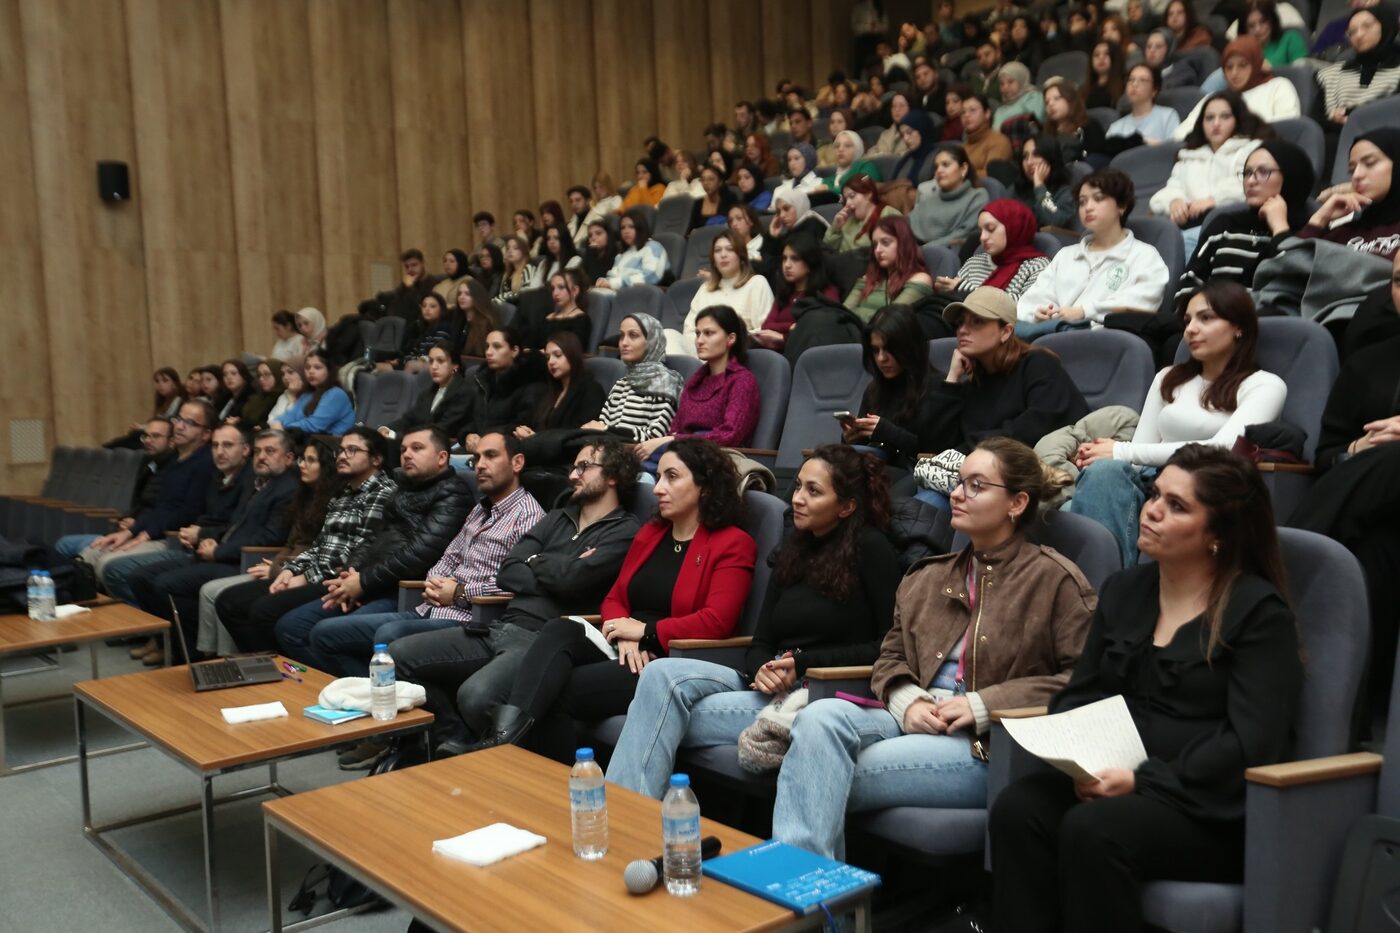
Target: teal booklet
(795, 878)
(333, 717)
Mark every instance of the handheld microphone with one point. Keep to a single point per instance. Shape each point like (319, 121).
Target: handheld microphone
(645, 874)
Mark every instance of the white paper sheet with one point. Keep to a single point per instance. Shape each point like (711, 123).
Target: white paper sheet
(68, 611)
(236, 714)
(595, 635)
(1082, 742)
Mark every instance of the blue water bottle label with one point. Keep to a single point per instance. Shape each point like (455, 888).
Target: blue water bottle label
(588, 798)
(684, 827)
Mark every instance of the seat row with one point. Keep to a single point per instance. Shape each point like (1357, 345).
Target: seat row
(85, 489)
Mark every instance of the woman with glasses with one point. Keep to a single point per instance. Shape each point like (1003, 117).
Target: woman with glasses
(959, 649)
(1146, 120)
(1278, 183)
(829, 603)
(325, 407)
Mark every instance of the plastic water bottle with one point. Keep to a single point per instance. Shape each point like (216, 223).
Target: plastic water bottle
(680, 837)
(588, 803)
(48, 598)
(31, 588)
(383, 696)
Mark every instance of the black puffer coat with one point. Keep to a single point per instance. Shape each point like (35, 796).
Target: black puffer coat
(504, 401)
(420, 521)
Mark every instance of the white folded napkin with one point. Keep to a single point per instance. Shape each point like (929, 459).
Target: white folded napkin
(236, 714)
(64, 612)
(482, 847)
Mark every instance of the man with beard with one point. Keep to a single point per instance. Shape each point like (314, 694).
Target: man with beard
(565, 564)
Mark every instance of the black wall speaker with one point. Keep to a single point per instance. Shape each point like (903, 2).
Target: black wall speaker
(113, 181)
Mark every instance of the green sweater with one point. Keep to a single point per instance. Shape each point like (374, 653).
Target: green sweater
(1285, 50)
(850, 237)
(858, 167)
(911, 293)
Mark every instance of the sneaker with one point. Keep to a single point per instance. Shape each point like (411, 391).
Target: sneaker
(363, 756)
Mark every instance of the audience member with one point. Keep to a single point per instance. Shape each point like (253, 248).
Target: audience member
(712, 207)
(1146, 120)
(582, 213)
(445, 403)
(1008, 260)
(491, 263)
(606, 200)
(1080, 135)
(408, 294)
(687, 183)
(802, 274)
(758, 152)
(324, 408)
(642, 402)
(643, 261)
(891, 141)
(983, 143)
(515, 269)
(1043, 183)
(948, 205)
(896, 409)
(599, 252)
(732, 283)
(574, 396)
(472, 303)
(503, 393)
(1269, 99)
(436, 323)
(1106, 81)
(801, 175)
(1373, 72)
(1180, 19)
(1020, 97)
(293, 387)
(288, 345)
(861, 210)
(920, 141)
(456, 269)
(648, 189)
(748, 178)
(896, 273)
(1366, 218)
(556, 255)
(268, 389)
(486, 235)
(1282, 47)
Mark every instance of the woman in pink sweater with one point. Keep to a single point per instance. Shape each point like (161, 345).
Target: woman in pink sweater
(720, 401)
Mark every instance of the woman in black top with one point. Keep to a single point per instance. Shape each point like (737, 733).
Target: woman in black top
(238, 384)
(491, 264)
(1203, 647)
(436, 322)
(569, 292)
(574, 396)
(829, 603)
(600, 252)
(504, 392)
(446, 403)
(896, 405)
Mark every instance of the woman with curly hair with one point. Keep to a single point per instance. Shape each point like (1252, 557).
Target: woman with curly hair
(829, 603)
(687, 575)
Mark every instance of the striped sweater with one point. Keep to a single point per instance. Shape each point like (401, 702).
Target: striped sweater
(1342, 90)
(979, 267)
(1231, 248)
(635, 416)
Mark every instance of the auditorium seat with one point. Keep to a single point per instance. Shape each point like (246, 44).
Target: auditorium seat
(940, 260)
(1181, 99)
(1109, 367)
(1372, 116)
(1149, 167)
(674, 243)
(940, 354)
(827, 379)
(393, 394)
(697, 250)
(774, 376)
(1164, 236)
(1072, 66)
(1304, 133)
(600, 304)
(677, 304)
(606, 369)
(684, 364)
(673, 215)
(1301, 77)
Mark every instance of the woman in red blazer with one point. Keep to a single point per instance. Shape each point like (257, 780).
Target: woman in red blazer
(687, 575)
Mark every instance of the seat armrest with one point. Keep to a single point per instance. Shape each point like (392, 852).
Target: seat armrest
(698, 644)
(408, 594)
(726, 652)
(412, 584)
(502, 599)
(823, 683)
(1305, 469)
(1007, 761)
(1017, 712)
(754, 453)
(249, 556)
(1315, 770)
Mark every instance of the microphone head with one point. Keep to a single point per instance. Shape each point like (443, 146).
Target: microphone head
(640, 876)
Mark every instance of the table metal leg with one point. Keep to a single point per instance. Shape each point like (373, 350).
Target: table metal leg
(92, 657)
(80, 725)
(211, 887)
(274, 877)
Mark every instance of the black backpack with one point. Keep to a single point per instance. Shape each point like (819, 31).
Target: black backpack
(16, 560)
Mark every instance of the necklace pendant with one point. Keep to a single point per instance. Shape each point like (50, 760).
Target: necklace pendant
(676, 548)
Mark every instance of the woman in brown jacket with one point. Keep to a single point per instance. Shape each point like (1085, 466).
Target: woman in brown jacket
(1022, 612)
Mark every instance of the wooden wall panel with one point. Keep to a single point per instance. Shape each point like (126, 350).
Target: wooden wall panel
(431, 133)
(684, 81)
(566, 106)
(737, 54)
(787, 51)
(79, 87)
(182, 162)
(830, 31)
(272, 160)
(499, 76)
(623, 66)
(356, 173)
(24, 380)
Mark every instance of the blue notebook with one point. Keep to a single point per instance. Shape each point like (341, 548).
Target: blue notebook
(795, 878)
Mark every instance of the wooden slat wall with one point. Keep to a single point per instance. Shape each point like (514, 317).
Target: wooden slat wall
(278, 148)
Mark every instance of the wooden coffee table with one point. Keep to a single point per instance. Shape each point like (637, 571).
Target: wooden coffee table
(20, 634)
(163, 707)
(381, 832)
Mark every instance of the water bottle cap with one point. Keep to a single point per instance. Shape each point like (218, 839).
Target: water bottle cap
(381, 647)
(680, 780)
(584, 754)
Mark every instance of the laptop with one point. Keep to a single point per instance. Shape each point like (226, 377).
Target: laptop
(225, 672)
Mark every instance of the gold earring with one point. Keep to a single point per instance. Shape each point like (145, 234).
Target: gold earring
(1214, 550)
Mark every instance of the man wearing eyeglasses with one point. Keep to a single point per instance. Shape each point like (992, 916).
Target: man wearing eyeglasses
(249, 610)
(564, 564)
(184, 480)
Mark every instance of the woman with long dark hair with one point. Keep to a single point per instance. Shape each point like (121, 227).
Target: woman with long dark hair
(437, 321)
(829, 603)
(473, 305)
(1106, 80)
(1202, 646)
(506, 390)
(712, 207)
(648, 188)
(687, 575)
(895, 408)
(802, 274)
(1180, 19)
(599, 251)
(490, 265)
(569, 292)
(896, 273)
(446, 402)
(643, 261)
(557, 253)
(267, 389)
(325, 408)
(574, 397)
(1209, 399)
(1043, 183)
(238, 385)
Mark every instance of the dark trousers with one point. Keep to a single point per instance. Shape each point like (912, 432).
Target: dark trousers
(250, 613)
(1059, 864)
(155, 587)
(564, 678)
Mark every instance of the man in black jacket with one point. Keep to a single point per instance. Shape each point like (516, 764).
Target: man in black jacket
(212, 550)
(420, 521)
(417, 282)
(565, 564)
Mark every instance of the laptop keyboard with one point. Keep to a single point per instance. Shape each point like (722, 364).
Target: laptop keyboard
(219, 673)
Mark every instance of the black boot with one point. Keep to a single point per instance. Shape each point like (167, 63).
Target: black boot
(508, 726)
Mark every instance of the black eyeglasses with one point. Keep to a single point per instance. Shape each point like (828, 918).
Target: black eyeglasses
(583, 466)
(348, 452)
(972, 488)
(177, 420)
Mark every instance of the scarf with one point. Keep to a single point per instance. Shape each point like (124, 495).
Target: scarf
(1387, 209)
(1247, 47)
(856, 142)
(1384, 55)
(651, 376)
(809, 159)
(1298, 179)
(802, 207)
(1021, 75)
(318, 329)
(913, 160)
(462, 263)
(1020, 240)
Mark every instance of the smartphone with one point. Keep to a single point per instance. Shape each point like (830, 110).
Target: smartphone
(844, 417)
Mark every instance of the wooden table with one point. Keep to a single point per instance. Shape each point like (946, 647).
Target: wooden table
(381, 832)
(20, 634)
(163, 707)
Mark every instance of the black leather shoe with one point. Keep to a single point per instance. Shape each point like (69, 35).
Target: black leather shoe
(451, 748)
(509, 725)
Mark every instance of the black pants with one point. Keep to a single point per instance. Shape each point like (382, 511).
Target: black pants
(249, 612)
(1061, 864)
(565, 678)
(155, 587)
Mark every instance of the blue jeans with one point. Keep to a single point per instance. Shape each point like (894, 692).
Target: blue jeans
(1111, 493)
(848, 757)
(71, 546)
(344, 644)
(1030, 330)
(293, 630)
(679, 702)
(117, 571)
(1189, 238)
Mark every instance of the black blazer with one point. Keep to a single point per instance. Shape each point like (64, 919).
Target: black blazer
(261, 520)
(451, 415)
(582, 405)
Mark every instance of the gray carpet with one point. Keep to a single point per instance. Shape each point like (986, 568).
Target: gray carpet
(52, 879)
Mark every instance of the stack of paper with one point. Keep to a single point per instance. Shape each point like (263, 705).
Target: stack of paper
(1083, 742)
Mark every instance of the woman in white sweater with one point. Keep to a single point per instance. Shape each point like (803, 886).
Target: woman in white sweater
(732, 282)
(1109, 270)
(1209, 399)
(1268, 98)
(1207, 171)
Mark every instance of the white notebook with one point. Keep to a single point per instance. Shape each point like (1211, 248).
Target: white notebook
(1083, 742)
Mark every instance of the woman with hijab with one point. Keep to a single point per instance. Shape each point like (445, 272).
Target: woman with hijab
(1008, 259)
(1159, 52)
(642, 402)
(1019, 97)
(1373, 73)
(850, 149)
(920, 141)
(1270, 99)
(1278, 180)
(1371, 208)
(748, 178)
(649, 188)
(891, 141)
(454, 272)
(793, 216)
(948, 205)
(1043, 183)
(311, 324)
(801, 172)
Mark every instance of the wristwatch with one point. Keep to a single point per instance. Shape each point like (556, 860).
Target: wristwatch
(457, 595)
